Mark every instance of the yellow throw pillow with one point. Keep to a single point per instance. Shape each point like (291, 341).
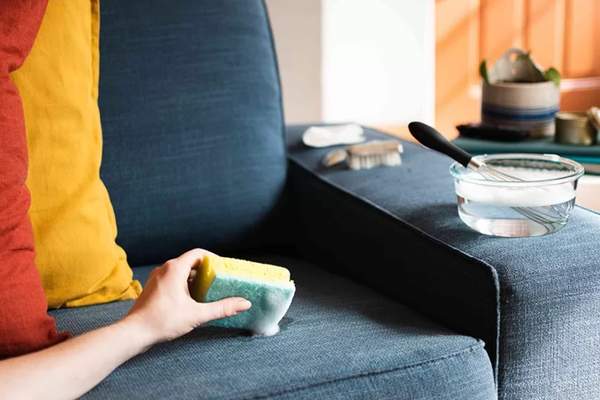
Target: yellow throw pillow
(73, 219)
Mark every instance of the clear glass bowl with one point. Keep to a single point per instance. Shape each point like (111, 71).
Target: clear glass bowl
(539, 204)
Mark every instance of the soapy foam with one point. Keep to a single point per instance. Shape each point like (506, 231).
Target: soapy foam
(270, 303)
(516, 196)
(269, 325)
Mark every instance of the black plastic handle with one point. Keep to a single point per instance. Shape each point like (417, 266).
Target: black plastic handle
(429, 137)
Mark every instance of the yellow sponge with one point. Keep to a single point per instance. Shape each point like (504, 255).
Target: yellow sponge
(267, 287)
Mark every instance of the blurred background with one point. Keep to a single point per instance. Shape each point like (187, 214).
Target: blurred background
(386, 62)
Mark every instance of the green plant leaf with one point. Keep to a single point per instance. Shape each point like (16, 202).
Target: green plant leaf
(483, 72)
(552, 74)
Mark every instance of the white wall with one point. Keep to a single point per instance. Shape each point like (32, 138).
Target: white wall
(370, 61)
(296, 26)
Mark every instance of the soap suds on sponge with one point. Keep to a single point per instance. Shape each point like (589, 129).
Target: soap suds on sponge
(267, 287)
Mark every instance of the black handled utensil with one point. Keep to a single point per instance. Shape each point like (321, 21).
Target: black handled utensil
(431, 138)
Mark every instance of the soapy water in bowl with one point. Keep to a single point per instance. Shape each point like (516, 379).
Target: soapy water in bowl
(519, 210)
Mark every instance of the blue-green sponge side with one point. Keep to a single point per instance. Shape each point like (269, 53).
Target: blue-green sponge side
(269, 301)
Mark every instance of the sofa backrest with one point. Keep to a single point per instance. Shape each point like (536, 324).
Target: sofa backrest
(193, 128)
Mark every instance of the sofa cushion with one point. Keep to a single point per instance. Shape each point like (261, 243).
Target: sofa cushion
(338, 341)
(73, 220)
(24, 324)
(191, 111)
(534, 301)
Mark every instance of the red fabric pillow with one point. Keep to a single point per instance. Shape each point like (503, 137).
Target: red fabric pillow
(24, 321)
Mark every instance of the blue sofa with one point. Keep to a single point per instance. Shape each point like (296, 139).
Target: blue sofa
(396, 298)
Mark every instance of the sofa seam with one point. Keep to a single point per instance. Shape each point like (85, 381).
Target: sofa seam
(467, 350)
(278, 75)
(493, 272)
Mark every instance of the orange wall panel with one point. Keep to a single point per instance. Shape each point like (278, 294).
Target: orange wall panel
(544, 31)
(581, 27)
(457, 55)
(501, 26)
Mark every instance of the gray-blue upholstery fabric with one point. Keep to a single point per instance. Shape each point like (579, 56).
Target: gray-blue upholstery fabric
(194, 151)
(339, 340)
(534, 301)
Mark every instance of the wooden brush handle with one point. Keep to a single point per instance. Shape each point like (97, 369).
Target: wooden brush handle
(374, 147)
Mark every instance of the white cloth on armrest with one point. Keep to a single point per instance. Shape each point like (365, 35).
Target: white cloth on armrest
(324, 136)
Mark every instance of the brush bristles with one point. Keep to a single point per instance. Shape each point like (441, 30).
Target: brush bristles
(374, 154)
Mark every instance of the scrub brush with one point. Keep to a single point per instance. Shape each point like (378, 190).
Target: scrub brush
(368, 155)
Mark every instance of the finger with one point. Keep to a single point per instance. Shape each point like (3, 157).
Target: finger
(192, 257)
(154, 273)
(223, 308)
(185, 262)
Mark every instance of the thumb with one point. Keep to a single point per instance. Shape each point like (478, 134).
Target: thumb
(223, 308)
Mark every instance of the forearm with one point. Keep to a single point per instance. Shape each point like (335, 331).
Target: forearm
(71, 368)
(164, 311)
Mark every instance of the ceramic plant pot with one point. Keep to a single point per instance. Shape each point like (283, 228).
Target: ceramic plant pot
(517, 95)
(530, 106)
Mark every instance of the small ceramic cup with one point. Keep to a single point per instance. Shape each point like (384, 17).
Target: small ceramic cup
(527, 106)
(574, 128)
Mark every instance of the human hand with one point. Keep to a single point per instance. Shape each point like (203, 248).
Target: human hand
(165, 310)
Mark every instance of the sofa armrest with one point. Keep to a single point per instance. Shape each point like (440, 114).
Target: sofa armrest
(397, 229)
